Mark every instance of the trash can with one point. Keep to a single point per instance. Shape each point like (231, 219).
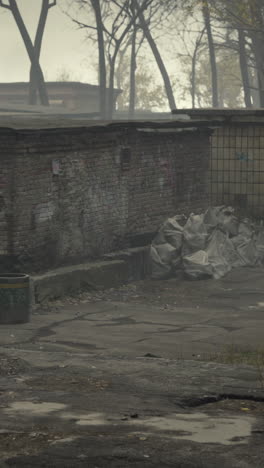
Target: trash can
(14, 298)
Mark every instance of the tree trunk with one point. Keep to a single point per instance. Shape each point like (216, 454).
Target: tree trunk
(101, 51)
(33, 86)
(261, 88)
(259, 58)
(260, 65)
(207, 22)
(119, 77)
(110, 106)
(31, 53)
(133, 67)
(193, 81)
(244, 67)
(254, 87)
(158, 58)
(118, 43)
(257, 38)
(193, 72)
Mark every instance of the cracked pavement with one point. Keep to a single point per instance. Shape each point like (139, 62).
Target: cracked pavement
(120, 378)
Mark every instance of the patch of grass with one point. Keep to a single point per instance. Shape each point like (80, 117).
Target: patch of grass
(234, 355)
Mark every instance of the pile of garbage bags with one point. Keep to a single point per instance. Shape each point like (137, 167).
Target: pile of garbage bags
(206, 245)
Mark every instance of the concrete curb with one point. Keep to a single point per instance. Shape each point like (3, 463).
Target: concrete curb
(114, 270)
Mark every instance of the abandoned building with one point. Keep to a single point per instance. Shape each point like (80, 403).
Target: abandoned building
(75, 190)
(70, 95)
(83, 189)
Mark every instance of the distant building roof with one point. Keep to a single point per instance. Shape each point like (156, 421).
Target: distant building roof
(77, 85)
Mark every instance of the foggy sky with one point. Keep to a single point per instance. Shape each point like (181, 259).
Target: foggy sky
(64, 47)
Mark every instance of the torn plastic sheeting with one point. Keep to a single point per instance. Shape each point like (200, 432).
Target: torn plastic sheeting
(160, 270)
(245, 244)
(209, 244)
(171, 232)
(197, 265)
(222, 217)
(221, 254)
(195, 234)
(260, 246)
(166, 249)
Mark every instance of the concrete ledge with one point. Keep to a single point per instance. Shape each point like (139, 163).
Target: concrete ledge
(137, 260)
(116, 269)
(62, 281)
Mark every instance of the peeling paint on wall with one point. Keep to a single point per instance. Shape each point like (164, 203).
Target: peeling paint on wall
(44, 212)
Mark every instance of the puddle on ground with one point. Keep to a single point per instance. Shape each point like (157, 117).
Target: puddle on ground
(202, 428)
(66, 440)
(36, 409)
(196, 427)
(90, 419)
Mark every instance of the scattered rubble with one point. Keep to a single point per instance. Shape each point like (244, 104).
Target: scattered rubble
(206, 245)
(11, 365)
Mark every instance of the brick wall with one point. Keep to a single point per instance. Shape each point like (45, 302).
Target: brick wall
(72, 194)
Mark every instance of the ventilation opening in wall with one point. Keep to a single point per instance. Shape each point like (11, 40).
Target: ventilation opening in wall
(125, 158)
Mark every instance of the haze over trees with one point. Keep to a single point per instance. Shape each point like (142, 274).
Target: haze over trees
(209, 53)
(37, 82)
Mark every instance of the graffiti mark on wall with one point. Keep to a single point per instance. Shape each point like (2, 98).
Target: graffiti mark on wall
(44, 212)
(166, 169)
(243, 156)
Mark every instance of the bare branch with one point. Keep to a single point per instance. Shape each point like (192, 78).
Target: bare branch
(53, 3)
(4, 5)
(83, 25)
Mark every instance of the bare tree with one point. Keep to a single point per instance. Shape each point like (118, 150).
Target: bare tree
(113, 27)
(257, 36)
(247, 18)
(101, 53)
(38, 74)
(157, 56)
(133, 64)
(207, 22)
(46, 5)
(244, 67)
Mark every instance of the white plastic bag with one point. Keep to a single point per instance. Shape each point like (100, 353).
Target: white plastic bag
(197, 265)
(221, 254)
(195, 234)
(166, 249)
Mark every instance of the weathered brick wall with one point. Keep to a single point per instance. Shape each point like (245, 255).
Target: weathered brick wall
(168, 177)
(6, 201)
(79, 193)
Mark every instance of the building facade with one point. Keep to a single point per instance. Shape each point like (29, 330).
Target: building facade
(70, 194)
(72, 96)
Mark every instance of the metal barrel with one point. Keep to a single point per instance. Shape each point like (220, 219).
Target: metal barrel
(14, 298)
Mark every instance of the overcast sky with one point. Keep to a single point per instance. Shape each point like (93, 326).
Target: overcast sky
(64, 47)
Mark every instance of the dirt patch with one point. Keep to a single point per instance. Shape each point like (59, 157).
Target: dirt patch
(163, 293)
(24, 443)
(231, 406)
(12, 366)
(69, 383)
